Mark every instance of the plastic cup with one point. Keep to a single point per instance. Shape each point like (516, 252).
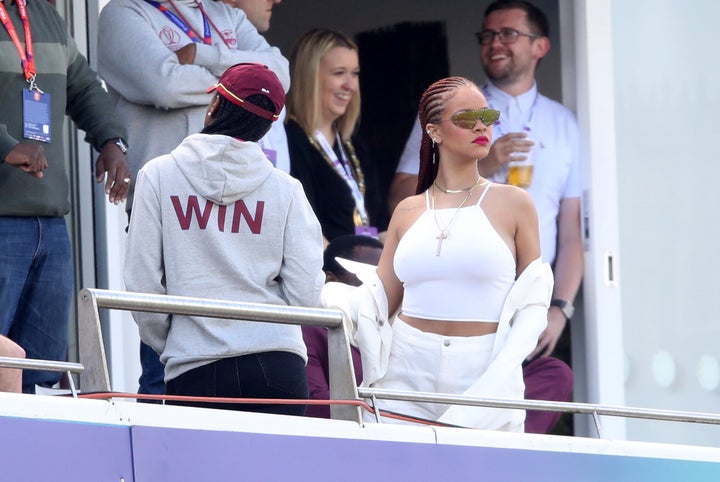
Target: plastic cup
(520, 172)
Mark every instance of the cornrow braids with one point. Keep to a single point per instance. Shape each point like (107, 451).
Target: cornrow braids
(432, 105)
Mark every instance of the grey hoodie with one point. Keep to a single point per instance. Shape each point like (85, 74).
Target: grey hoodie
(214, 219)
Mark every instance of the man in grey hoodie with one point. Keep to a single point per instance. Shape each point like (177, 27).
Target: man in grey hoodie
(158, 58)
(214, 217)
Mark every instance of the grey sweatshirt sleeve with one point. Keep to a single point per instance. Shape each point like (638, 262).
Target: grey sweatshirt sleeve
(135, 62)
(301, 272)
(88, 104)
(144, 264)
(7, 143)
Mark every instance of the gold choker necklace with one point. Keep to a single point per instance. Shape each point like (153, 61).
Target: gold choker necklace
(457, 191)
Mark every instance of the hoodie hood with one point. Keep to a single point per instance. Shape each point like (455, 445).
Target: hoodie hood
(221, 168)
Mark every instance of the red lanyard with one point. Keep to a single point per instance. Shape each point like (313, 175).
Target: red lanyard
(27, 60)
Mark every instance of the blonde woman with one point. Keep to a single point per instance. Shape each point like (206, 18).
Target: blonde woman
(323, 110)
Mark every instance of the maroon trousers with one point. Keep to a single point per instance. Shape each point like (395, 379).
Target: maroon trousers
(546, 378)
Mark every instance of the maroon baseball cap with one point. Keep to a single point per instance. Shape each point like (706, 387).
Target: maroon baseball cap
(243, 80)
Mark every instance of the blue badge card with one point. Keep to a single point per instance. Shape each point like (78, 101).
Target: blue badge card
(271, 155)
(36, 115)
(371, 231)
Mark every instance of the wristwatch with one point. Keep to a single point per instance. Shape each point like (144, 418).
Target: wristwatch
(118, 141)
(565, 306)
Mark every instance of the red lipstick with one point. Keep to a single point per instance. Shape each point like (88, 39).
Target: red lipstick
(482, 140)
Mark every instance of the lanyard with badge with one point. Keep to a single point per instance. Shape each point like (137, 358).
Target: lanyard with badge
(36, 103)
(345, 171)
(181, 22)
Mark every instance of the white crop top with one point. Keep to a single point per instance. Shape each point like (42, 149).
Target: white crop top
(470, 278)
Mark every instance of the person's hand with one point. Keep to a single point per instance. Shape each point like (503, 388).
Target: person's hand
(509, 144)
(28, 158)
(186, 55)
(113, 162)
(549, 338)
(501, 152)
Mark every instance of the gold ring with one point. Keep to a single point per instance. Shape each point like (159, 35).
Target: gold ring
(126, 180)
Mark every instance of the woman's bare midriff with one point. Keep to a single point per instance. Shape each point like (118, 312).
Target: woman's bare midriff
(451, 328)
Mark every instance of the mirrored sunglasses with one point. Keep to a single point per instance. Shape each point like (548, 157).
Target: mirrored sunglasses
(468, 119)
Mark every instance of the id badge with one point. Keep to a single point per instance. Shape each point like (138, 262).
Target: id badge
(36, 115)
(271, 155)
(366, 231)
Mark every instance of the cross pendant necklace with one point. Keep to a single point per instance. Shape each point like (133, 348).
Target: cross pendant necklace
(444, 232)
(440, 237)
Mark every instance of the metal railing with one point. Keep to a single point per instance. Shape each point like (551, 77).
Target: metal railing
(342, 375)
(46, 365)
(92, 352)
(595, 410)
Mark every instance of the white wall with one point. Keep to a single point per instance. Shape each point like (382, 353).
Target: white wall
(119, 328)
(667, 103)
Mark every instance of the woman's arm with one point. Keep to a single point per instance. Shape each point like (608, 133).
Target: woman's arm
(386, 270)
(527, 234)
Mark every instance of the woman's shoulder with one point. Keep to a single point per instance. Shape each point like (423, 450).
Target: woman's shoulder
(410, 204)
(508, 202)
(299, 146)
(512, 195)
(292, 128)
(407, 212)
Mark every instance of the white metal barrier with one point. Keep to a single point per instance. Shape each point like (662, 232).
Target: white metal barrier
(92, 352)
(46, 365)
(95, 377)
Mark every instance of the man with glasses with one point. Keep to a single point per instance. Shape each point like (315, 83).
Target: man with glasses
(513, 40)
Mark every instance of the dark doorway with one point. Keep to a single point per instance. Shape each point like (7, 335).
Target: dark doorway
(397, 63)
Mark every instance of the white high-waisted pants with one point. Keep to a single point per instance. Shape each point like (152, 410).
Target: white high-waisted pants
(427, 362)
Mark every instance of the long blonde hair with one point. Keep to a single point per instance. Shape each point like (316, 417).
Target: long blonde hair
(304, 99)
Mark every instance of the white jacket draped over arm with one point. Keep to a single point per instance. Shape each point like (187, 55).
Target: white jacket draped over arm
(523, 318)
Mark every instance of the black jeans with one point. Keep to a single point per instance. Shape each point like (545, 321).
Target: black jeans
(275, 374)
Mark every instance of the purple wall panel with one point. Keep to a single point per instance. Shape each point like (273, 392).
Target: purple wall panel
(35, 450)
(190, 455)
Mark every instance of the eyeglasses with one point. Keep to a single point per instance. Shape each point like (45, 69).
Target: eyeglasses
(469, 118)
(506, 36)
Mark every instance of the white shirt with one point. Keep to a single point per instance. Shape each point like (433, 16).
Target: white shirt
(556, 154)
(275, 144)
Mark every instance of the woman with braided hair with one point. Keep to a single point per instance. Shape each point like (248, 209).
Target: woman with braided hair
(461, 267)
